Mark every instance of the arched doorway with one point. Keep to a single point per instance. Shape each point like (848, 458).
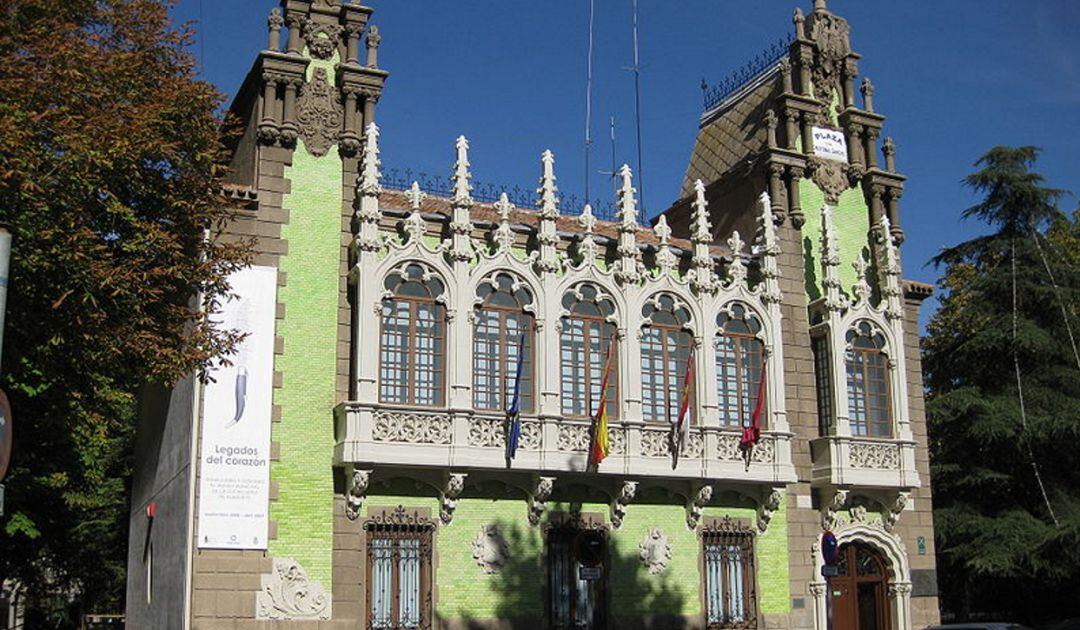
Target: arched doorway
(859, 594)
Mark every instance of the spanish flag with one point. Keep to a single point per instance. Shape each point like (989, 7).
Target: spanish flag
(682, 422)
(600, 443)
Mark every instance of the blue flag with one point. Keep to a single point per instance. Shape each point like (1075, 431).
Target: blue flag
(513, 413)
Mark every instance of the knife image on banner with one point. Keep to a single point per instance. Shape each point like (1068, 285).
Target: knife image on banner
(241, 395)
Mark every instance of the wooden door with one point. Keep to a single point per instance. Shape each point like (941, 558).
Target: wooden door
(859, 594)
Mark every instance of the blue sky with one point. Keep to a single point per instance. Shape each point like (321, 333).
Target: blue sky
(954, 78)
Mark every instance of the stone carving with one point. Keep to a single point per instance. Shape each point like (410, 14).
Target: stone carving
(893, 512)
(455, 483)
(319, 114)
(414, 428)
(656, 443)
(622, 500)
(883, 456)
(321, 37)
(830, 178)
(829, 515)
(355, 499)
(832, 36)
(769, 505)
(573, 437)
(287, 593)
(665, 258)
(696, 505)
(490, 549)
(541, 492)
(764, 452)
(504, 236)
(491, 433)
(655, 551)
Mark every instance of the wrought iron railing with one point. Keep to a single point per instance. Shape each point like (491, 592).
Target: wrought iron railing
(713, 95)
(524, 198)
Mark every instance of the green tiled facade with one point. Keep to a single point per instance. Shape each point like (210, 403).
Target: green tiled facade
(308, 363)
(852, 220)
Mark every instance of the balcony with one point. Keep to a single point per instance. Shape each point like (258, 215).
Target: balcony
(841, 461)
(369, 434)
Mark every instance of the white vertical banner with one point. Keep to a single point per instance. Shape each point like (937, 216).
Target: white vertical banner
(234, 481)
(830, 144)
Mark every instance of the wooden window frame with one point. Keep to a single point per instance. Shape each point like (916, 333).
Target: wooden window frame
(505, 380)
(439, 370)
(723, 385)
(823, 379)
(608, 331)
(667, 378)
(870, 361)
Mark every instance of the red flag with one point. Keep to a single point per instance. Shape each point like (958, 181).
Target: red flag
(752, 434)
(682, 423)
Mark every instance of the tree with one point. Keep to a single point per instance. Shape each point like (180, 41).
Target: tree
(1005, 468)
(110, 179)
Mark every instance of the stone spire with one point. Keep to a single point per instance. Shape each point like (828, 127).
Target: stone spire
(889, 272)
(461, 248)
(830, 263)
(770, 250)
(366, 204)
(702, 275)
(548, 258)
(628, 270)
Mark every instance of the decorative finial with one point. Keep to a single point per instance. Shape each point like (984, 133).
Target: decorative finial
(830, 261)
(504, 235)
(370, 176)
(737, 269)
(665, 258)
(549, 202)
(702, 231)
(861, 290)
(889, 272)
(587, 220)
(867, 90)
(627, 202)
(820, 5)
(587, 247)
(889, 150)
(770, 248)
(275, 22)
(373, 40)
(662, 231)
(415, 196)
(703, 277)
(462, 187)
(800, 24)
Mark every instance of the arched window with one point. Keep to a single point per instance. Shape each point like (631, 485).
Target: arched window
(503, 337)
(740, 363)
(587, 335)
(412, 343)
(665, 353)
(869, 400)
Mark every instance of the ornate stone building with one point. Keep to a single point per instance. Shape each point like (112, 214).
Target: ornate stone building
(401, 319)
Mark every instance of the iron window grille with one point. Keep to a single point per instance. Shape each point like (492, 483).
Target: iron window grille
(823, 379)
(729, 576)
(399, 576)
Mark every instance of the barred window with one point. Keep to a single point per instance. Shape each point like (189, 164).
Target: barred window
(823, 380)
(730, 596)
(740, 362)
(869, 399)
(399, 590)
(412, 342)
(587, 334)
(665, 352)
(503, 336)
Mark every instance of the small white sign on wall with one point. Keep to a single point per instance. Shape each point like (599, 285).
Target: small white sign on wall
(234, 471)
(830, 144)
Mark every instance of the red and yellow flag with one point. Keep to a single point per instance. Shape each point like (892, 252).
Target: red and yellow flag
(682, 423)
(600, 444)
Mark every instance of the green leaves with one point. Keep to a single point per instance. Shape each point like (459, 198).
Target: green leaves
(998, 544)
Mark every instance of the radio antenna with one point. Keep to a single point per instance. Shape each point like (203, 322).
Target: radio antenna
(636, 69)
(588, 101)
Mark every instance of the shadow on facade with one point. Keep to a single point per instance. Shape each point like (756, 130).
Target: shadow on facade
(635, 599)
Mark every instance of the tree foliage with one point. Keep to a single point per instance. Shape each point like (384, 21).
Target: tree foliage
(1006, 478)
(109, 180)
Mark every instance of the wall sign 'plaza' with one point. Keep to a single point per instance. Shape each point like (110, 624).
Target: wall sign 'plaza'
(352, 469)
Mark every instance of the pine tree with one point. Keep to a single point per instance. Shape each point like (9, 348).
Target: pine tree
(1005, 467)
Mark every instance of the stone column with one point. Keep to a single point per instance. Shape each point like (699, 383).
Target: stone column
(785, 75)
(352, 43)
(871, 147)
(855, 144)
(806, 59)
(877, 207)
(889, 149)
(269, 127)
(373, 41)
(791, 119)
(371, 98)
(295, 22)
(795, 175)
(851, 70)
(868, 95)
(275, 23)
(350, 139)
(807, 134)
(776, 202)
(893, 210)
(289, 128)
